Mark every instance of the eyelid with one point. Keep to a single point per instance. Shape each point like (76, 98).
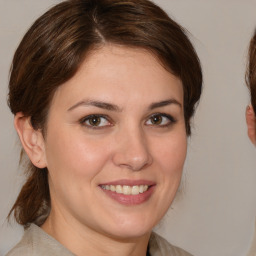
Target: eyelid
(83, 120)
(171, 119)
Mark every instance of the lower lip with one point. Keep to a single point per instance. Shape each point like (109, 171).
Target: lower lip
(130, 199)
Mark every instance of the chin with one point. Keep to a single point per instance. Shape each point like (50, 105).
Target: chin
(130, 228)
(130, 235)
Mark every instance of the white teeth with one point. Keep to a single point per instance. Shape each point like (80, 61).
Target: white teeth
(126, 190)
(135, 190)
(119, 189)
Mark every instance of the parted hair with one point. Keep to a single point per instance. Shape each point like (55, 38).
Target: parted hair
(58, 42)
(251, 71)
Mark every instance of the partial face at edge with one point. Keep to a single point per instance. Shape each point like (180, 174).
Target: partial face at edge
(117, 125)
(251, 124)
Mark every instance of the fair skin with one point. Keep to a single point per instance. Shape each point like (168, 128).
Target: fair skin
(251, 124)
(117, 124)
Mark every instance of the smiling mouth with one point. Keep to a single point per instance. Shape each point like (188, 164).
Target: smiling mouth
(125, 189)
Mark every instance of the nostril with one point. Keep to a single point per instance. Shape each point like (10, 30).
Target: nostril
(132, 150)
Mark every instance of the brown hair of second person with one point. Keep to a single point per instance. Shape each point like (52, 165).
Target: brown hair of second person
(251, 71)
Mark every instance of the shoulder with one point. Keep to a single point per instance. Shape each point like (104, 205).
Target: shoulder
(160, 247)
(35, 242)
(23, 247)
(19, 250)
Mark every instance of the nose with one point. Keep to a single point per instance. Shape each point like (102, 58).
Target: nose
(132, 150)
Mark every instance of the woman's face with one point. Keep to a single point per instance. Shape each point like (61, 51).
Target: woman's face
(116, 143)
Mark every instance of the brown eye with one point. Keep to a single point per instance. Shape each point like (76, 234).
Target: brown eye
(160, 120)
(95, 121)
(156, 120)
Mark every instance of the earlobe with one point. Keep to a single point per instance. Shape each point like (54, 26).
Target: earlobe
(32, 140)
(251, 124)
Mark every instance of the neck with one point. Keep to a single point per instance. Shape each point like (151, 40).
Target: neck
(82, 240)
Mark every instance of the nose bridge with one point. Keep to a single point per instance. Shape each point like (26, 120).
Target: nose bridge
(133, 151)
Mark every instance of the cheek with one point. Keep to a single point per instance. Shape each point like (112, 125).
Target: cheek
(75, 155)
(171, 153)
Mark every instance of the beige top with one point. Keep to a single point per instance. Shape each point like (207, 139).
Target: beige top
(252, 251)
(35, 242)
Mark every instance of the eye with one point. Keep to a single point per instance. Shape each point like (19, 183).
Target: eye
(160, 120)
(95, 121)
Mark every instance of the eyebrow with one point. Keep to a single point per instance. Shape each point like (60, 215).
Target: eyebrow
(98, 104)
(164, 103)
(113, 107)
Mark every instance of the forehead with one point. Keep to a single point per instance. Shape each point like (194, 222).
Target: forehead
(120, 73)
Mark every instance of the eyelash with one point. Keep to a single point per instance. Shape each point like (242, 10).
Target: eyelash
(171, 120)
(90, 117)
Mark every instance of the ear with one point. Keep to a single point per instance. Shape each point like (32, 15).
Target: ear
(251, 124)
(32, 140)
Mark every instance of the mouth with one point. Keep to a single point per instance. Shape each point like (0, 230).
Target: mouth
(125, 189)
(129, 192)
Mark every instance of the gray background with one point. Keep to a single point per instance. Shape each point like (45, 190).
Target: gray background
(214, 212)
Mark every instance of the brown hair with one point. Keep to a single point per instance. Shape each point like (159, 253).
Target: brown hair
(251, 71)
(58, 42)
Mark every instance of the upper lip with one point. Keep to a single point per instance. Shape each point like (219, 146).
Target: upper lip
(128, 182)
